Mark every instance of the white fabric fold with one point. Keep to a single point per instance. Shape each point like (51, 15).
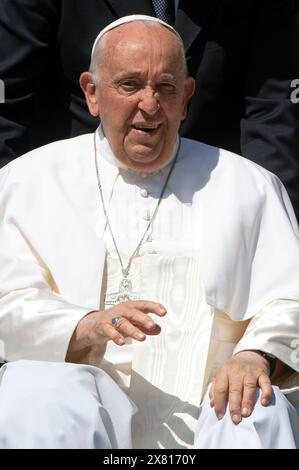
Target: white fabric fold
(271, 427)
(46, 405)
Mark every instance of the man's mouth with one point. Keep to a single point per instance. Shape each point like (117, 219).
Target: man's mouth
(146, 127)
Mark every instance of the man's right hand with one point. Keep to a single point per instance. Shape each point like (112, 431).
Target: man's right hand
(96, 328)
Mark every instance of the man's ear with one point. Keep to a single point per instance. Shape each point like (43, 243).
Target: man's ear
(188, 92)
(89, 90)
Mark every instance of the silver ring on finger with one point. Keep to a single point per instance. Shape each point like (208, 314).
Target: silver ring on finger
(115, 320)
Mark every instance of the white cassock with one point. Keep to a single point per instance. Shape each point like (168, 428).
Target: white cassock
(222, 255)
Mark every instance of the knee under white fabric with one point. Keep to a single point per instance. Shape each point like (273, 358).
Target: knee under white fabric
(67, 406)
(271, 427)
(62, 405)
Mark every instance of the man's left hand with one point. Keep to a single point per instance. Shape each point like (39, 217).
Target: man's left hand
(236, 380)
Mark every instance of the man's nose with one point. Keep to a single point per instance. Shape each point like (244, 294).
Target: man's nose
(148, 101)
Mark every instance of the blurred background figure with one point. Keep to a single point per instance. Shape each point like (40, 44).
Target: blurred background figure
(243, 56)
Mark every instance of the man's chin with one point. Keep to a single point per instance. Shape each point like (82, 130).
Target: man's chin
(144, 158)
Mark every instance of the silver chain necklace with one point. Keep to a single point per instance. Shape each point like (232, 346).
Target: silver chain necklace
(125, 287)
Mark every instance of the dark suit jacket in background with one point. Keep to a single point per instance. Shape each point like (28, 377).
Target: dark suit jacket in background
(243, 54)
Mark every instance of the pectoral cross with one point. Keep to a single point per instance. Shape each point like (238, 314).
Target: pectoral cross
(125, 292)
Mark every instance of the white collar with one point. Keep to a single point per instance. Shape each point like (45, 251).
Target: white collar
(105, 151)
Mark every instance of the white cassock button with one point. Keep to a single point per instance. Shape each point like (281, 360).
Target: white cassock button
(143, 192)
(146, 215)
(144, 175)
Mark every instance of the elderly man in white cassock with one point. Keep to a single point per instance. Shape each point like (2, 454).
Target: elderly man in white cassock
(149, 292)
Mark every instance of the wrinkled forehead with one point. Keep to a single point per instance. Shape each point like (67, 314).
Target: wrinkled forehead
(140, 34)
(143, 46)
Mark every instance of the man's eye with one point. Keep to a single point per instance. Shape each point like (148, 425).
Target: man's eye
(129, 86)
(167, 88)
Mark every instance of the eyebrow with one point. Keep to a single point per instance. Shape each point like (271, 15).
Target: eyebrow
(137, 74)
